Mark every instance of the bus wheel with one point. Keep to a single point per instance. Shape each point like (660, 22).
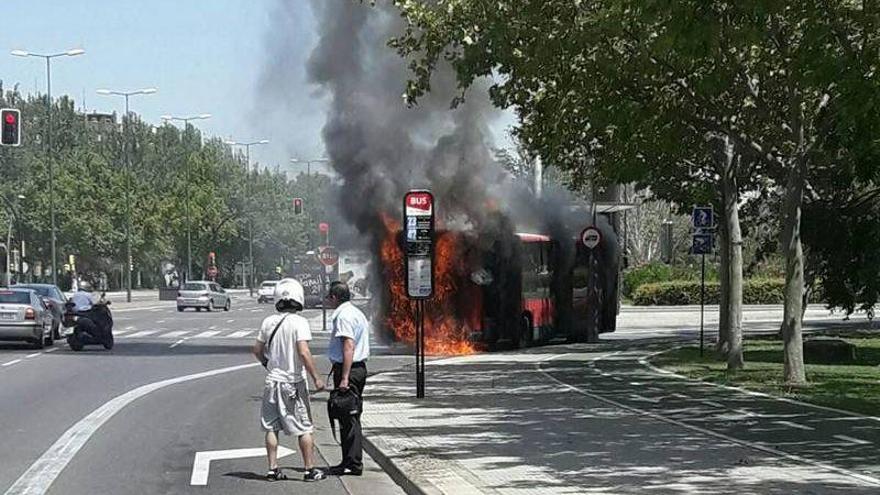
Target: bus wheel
(527, 332)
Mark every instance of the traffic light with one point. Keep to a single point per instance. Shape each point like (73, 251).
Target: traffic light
(10, 123)
(297, 206)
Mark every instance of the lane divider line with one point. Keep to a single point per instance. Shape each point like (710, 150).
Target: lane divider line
(10, 363)
(45, 470)
(659, 417)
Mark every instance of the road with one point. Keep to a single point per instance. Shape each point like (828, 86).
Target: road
(131, 420)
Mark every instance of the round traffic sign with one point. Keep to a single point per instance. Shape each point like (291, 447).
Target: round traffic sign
(591, 237)
(327, 255)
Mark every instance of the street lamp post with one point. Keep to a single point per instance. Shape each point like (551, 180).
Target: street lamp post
(10, 212)
(125, 145)
(186, 121)
(247, 153)
(48, 57)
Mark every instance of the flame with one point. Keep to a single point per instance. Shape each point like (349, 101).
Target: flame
(446, 332)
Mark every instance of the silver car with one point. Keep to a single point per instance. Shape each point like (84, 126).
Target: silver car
(25, 317)
(202, 295)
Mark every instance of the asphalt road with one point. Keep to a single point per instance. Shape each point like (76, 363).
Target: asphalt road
(135, 434)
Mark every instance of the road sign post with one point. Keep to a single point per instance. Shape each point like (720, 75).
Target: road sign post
(703, 221)
(591, 238)
(328, 256)
(418, 224)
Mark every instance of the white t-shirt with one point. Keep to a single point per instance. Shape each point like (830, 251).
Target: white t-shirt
(82, 301)
(284, 362)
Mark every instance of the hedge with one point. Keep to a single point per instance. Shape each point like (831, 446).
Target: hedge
(687, 292)
(652, 273)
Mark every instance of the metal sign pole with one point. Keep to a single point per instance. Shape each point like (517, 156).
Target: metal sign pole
(418, 230)
(702, 300)
(420, 349)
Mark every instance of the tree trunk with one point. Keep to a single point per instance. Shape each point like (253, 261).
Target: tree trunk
(793, 354)
(734, 268)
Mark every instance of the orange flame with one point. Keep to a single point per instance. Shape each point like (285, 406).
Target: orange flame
(446, 333)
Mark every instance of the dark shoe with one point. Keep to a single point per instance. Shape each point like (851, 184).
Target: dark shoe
(276, 475)
(344, 471)
(314, 474)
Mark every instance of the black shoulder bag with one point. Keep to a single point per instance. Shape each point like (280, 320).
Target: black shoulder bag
(269, 342)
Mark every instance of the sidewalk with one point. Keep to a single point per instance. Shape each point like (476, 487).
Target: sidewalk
(548, 422)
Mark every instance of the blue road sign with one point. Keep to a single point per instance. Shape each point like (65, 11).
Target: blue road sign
(703, 244)
(703, 217)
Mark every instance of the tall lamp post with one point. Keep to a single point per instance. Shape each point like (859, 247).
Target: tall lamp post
(247, 153)
(48, 57)
(125, 133)
(186, 120)
(10, 212)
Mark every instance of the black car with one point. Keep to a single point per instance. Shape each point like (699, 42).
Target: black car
(54, 299)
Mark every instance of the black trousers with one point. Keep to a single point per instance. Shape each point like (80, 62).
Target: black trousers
(350, 428)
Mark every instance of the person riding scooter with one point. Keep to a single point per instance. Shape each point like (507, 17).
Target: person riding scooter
(92, 322)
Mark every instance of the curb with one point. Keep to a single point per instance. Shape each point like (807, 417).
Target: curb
(391, 469)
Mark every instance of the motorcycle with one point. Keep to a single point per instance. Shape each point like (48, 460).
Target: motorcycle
(91, 327)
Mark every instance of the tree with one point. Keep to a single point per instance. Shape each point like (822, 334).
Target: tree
(664, 85)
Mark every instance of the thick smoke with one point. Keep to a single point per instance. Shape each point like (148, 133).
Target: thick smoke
(380, 148)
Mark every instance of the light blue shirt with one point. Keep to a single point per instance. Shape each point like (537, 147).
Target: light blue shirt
(349, 321)
(82, 301)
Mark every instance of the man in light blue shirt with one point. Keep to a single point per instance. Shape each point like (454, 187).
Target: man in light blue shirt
(349, 351)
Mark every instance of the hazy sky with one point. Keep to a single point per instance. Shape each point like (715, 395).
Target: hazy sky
(202, 55)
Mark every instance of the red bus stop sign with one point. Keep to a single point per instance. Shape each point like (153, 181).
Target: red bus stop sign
(591, 237)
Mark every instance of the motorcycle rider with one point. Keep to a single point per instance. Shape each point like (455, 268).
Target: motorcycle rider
(94, 325)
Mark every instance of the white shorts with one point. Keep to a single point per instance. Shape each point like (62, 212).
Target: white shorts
(286, 408)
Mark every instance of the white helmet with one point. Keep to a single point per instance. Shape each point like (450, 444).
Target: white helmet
(289, 290)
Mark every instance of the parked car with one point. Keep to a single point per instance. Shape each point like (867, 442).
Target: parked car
(25, 317)
(266, 294)
(54, 299)
(202, 295)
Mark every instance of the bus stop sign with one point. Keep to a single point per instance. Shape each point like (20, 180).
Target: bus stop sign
(418, 221)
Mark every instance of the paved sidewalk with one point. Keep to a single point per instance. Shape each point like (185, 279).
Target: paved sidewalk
(546, 422)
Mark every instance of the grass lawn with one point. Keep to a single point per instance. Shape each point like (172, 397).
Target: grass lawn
(853, 386)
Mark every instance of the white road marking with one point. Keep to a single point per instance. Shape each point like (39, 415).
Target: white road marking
(129, 328)
(714, 404)
(795, 425)
(202, 461)
(240, 334)
(32, 355)
(160, 321)
(10, 363)
(50, 350)
(212, 327)
(856, 441)
(643, 398)
(171, 335)
(142, 333)
(205, 335)
(659, 417)
(43, 472)
(230, 321)
(172, 346)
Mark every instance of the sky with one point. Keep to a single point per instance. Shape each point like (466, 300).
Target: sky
(203, 56)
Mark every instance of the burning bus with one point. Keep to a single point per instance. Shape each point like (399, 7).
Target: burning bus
(501, 291)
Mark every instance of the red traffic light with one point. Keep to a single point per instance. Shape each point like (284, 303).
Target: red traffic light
(10, 130)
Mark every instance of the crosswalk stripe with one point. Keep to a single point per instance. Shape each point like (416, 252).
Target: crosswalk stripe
(176, 333)
(142, 333)
(204, 335)
(240, 334)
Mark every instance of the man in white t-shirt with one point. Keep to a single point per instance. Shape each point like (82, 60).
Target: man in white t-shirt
(283, 348)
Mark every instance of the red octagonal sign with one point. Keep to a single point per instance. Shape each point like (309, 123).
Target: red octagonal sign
(328, 256)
